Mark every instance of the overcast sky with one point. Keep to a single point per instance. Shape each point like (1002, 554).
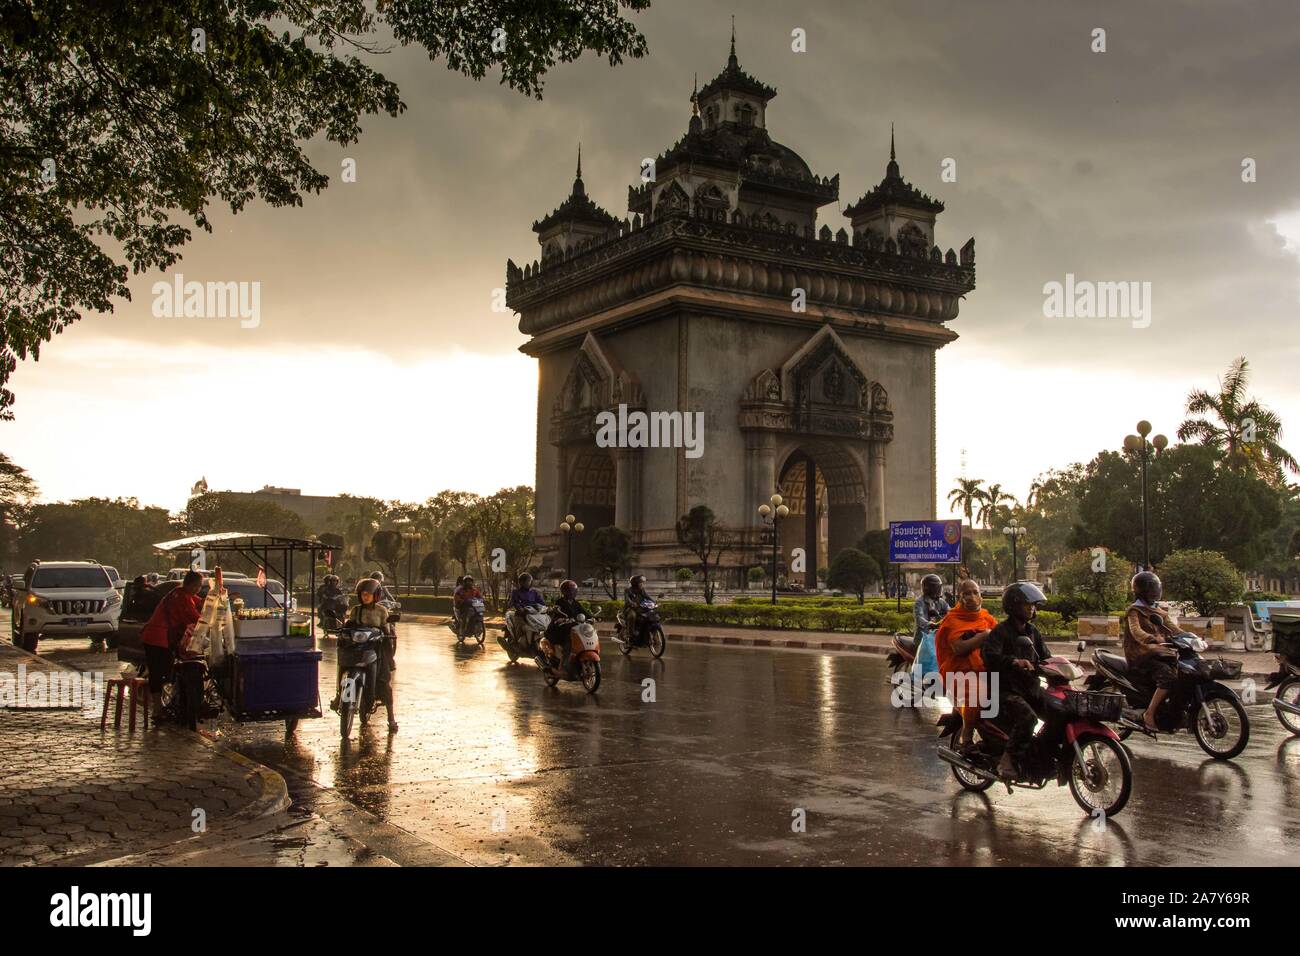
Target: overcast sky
(376, 295)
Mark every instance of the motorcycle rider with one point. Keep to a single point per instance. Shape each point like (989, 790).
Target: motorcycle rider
(385, 595)
(461, 597)
(930, 607)
(1012, 650)
(368, 612)
(523, 597)
(331, 597)
(633, 595)
(569, 607)
(1147, 630)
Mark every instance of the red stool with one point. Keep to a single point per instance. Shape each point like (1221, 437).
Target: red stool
(137, 688)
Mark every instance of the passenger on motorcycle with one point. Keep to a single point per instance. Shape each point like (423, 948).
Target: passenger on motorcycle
(633, 595)
(957, 647)
(460, 599)
(930, 607)
(524, 596)
(1012, 650)
(330, 591)
(569, 607)
(368, 612)
(1147, 630)
(384, 594)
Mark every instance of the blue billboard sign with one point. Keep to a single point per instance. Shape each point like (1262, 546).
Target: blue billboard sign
(925, 542)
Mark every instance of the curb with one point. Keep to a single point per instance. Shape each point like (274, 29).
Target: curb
(275, 790)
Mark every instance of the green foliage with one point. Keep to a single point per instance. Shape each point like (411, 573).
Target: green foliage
(114, 532)
(1093, 582)
(1205, 578)
(611, 550)
(684, 575)
(1243, 433)
(216, 511)
(853, 570)
(699, 532)
(144, 128)
(755, 574)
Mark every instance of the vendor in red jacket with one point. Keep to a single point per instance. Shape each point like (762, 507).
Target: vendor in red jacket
(178, 609)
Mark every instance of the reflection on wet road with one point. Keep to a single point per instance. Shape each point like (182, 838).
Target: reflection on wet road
(495, 767)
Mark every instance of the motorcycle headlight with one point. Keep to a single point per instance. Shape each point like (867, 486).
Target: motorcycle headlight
(1199, 645)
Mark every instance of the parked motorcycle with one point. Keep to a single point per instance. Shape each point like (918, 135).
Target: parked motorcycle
(524, 631)
(359, 653)
(1210, 710)
(584, 654)
(1073, 748)
(470, 623)
(649, 631)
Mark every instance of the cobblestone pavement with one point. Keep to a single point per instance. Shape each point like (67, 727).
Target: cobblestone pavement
(70, 793)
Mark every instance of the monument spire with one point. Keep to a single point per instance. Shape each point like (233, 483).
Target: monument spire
(891, 171)
(731, 60)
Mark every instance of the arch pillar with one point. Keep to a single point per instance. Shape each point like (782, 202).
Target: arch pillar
(875, 516)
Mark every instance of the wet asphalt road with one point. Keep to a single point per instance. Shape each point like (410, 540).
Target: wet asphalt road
(495, 767)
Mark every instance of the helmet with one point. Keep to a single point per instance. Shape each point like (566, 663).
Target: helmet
(525, 580)
(467, 580)
(1022, 592)
(331, 580)
(931, 585)
(636, 580)
(568, 587)
(367, 586)
(378, 576)
(153, 577)
(1147, 586)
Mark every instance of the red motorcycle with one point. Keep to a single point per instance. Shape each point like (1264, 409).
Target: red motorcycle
(1072, 747)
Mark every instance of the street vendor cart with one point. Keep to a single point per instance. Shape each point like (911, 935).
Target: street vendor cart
(261, 655)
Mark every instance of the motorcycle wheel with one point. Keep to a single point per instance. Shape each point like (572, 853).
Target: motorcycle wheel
(1105, 780)
(1226, 723)
(347, 709)
(189, 685)
(1289, 691)
(625, 646)
(968, 781)
(480, 633)
(591, 676)
(658, 641)
(551, 677)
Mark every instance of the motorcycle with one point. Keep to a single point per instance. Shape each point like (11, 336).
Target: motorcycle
(471, 624)
(332, 613)
(584, 654)
(649, 632)
(523, 632)
(1286, 699)
(1210, 710)
(1074, 748)
(358, 682)
(902, 654)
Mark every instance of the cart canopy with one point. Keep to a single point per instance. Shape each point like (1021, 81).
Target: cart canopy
(241, 541)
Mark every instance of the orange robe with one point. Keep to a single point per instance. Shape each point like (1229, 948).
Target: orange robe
(954, 624)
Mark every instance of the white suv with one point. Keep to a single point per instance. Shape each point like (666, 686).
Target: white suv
(65, 597)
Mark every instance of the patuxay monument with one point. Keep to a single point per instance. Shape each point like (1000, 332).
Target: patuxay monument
(693, 304)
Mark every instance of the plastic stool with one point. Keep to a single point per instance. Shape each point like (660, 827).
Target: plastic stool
(139, 691)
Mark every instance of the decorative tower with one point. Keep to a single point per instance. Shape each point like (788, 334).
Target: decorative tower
(895, 211)
(575, 223)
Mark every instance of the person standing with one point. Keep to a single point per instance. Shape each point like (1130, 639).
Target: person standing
(162, 633)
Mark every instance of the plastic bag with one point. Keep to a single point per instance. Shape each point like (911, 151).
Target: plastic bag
(926, 663)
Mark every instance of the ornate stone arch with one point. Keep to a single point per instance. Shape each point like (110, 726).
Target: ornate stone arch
(672, 201)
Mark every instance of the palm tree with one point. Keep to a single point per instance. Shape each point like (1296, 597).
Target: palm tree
(991, 500)
(1243, 431)
(968, 493)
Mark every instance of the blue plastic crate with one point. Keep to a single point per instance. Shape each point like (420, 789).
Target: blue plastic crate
(276, 680)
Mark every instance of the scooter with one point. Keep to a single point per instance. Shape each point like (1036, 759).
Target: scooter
(1286, 699)
(902, 654)
(649, 631)
(332, 614)
(472, 623)
(523, 631)
(358, 684)
(1210, 710)
(1073, 748)
(584, 654)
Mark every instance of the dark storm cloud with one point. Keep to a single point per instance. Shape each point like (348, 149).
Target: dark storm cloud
(1123, 165)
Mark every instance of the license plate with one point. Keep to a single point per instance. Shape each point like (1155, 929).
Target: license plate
(76, 621)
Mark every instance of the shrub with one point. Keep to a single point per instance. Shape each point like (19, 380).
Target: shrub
(1205, 578)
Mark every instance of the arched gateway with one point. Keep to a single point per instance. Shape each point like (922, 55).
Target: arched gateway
(809, 354)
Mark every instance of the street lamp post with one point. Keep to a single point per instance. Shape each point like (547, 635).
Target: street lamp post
(771, 512)
(569, 527)
(410, 537)
(1014, 530)
(1138, 444)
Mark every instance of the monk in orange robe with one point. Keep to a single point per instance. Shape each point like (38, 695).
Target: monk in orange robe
(956, 646)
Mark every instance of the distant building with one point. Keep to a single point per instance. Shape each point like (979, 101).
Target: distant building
(319, 512)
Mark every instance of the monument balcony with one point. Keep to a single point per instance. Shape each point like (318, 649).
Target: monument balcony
(769, 260)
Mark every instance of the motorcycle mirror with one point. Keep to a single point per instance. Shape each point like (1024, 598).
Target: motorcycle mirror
(1082, 646)
(581, 618)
